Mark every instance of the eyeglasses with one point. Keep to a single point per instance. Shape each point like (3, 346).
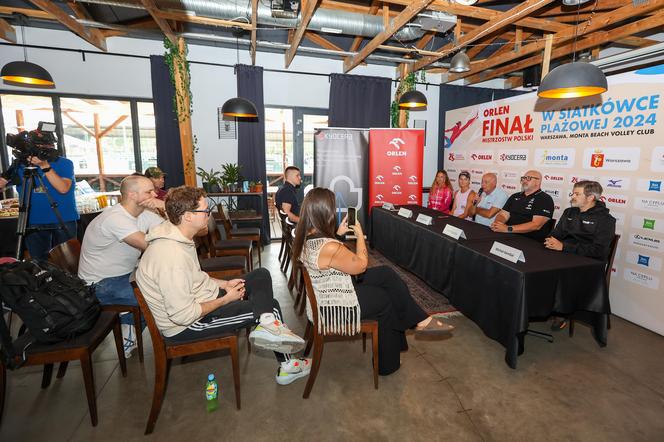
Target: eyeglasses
(528, 178)
(207, 211)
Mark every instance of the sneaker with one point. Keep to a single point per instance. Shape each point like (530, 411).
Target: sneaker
(558, 324)
(298, 368)
(128, 339)
(276, 336)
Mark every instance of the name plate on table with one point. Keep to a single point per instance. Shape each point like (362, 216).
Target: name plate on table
(453, 232)
(507, 252)
(388, 206)
(424, 219)
(406, 213)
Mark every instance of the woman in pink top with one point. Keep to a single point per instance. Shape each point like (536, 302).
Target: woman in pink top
(463, 197)
(440, 195)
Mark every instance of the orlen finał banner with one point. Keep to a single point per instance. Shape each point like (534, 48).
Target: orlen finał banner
(615, 139)
(395, 166)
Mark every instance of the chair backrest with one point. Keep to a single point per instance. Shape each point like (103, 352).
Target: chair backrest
(223, 217)
(311, 296)
(157, 339)
(66, 255)
(612, 255)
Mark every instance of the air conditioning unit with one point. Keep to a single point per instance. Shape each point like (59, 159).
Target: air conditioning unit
(285, 8)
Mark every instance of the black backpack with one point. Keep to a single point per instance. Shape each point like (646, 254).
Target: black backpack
(54, 306)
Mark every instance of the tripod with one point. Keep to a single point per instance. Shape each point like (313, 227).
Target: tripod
(30, 178)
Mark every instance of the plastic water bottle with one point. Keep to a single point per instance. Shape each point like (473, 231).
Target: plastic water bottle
(211, 393)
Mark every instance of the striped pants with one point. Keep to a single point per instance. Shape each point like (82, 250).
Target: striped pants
(237, 315)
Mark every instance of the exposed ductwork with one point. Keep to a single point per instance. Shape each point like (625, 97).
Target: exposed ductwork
(323, 20)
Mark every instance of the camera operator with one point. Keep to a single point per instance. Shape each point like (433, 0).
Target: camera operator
(57, 175)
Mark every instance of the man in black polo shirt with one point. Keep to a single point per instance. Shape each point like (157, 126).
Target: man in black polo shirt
(526, 212)
(285, 198)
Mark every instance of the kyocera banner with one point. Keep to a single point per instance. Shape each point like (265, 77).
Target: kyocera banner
(615, 139)
(340, 164)
(395, 166)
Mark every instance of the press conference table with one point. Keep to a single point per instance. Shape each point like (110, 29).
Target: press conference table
(499, 296)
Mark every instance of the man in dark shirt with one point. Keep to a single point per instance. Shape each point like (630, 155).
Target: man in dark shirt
(285, 198)
(526, 212)
(585, 229)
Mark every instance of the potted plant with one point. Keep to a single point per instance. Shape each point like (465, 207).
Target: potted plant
(231, 176)
(210, 179)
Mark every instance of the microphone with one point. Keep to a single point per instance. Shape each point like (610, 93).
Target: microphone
(479, 194)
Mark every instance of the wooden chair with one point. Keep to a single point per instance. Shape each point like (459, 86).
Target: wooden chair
(221, 267)
(315, 338)
(79, 348)
(282, 218)
(165, 352)
(288, 229)
(251, 233)
(228, 247)
(607, 274)
(66, 256)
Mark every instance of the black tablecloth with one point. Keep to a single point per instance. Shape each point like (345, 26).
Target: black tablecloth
(498, 295)
(8, 232)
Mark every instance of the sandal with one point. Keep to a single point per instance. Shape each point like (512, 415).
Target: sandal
(435, 327)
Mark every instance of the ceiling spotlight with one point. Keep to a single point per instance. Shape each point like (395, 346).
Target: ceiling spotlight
(460, 63)
(574, 2)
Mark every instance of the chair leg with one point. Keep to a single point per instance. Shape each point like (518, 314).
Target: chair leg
(250, 259)
(62, 370)
(308, 338)
(3, 385)
(303, 304)
(46, 377)
(139, 332)
(571, 328)
(364, 342)
(119, 348)
(374, 342)
(89, 379)
(608, 321)
(281, 249)
(315, 364)
(160, 379)
(248, 330)
(258, 248)
(291, 278)
(236, 372)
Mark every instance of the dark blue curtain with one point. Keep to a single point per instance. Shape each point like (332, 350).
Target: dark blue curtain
(169, 152)
(251, 141)
(454, 97)
(358, 101)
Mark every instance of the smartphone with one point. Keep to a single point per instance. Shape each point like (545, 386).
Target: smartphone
(352, 214)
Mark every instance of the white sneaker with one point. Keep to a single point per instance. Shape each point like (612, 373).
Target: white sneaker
(276, 336)
(129, 340)
(296, 369)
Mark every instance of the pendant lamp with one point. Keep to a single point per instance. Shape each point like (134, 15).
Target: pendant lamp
(24, 73)
(413, 100)
(239, 107)
(460, 63)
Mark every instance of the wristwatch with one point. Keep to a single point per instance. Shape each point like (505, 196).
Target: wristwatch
(509, 229)
(46, 169)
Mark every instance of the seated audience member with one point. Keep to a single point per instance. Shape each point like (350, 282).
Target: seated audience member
(440, 195)
(286, 198)
(187, 304)
(463, 197)
(157, 176)
(528, 211)
(112, 244)
(378, 294)
(491, 201)
(585, 229)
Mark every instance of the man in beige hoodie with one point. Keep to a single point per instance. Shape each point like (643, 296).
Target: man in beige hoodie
(187, 304)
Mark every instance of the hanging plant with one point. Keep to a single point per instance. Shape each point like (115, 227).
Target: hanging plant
(406, 84)
(175, 60)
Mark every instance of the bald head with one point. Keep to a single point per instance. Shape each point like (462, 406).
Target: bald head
(489, 182)
(531, 181)
(133, 183)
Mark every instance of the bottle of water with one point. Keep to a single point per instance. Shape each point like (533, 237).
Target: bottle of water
(211, 393)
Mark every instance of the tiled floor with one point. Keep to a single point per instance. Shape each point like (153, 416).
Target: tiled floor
(452, 390)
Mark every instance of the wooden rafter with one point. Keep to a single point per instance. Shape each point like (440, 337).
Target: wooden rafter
(181, 16)
(601, 21)
(307, 13)
(500, 21)
(87, 34)
(404, 17)
(7, 32)
(34, 13)
(375, 6)
(321, 41)
(596, 6)
(426, 38)
(165, 27)
(113, 125)
(254, 26)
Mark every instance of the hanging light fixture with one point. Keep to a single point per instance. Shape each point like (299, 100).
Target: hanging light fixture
(573, 80)
(413, 100)
(574, 2)
(239, 107)
(24, 73)
(460, 63)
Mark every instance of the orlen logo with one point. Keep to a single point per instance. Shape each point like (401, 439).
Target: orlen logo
(412, 198)
(397, 143)
(379, 197)
(615, 200)
(396, 189)
(456, 156)
(481, 157)
(554, 178)
(396, 170)
(412, 180)
(380, 179)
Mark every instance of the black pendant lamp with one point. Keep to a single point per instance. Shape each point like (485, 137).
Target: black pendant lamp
(24, 73)
(413, 100)
(239, 107)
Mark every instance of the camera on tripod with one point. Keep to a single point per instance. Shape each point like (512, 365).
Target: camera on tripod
(38, 143)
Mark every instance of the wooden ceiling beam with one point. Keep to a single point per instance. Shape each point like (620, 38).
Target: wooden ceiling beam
(321, 41)
(596, 6)
(7, 32)
(500, 21)
(87, 34)
(307, 13)
(254, 26)
(154, 11)
(181, 16)
(404, 17)
(34, 13)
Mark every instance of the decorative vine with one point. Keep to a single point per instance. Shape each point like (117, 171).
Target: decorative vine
(406, 84)
(176, 60)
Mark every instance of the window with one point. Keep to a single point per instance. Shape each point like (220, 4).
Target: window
(147, 135)
(24, 112)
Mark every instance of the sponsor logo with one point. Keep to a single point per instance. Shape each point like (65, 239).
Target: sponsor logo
(396, 187)
(510, 175)
(508, 186)
(451, 171)
(379, 197)
(397, 143)
(396, 170)
(482, 156)
(657, 159)
(412, 198)
(554, 178)
(335, 135)
(515, 157)
(380, 179)
(456, 156)
(611, 158)
(655, 186)
(645, 260)
(555, 193)
(614, 200)
(649, 204)
(597, 160)
(642, 279)
(615, 182)
(648, 223)
(573, 179)
(555, 157)
(477, 172)
(649, 242)
(396, 153)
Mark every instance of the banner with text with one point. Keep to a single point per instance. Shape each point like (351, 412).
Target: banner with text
(395, 166)
(615, 139)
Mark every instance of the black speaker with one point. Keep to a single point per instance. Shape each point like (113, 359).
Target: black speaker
(532, 76)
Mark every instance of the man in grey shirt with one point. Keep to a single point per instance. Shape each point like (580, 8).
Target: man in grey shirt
(490, 202)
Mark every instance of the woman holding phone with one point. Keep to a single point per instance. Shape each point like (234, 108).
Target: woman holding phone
(380, 294)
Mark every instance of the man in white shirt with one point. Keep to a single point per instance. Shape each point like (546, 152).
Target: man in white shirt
(490, 202)
(112, 244)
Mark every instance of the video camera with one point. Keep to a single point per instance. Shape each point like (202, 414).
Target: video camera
(38, 143)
